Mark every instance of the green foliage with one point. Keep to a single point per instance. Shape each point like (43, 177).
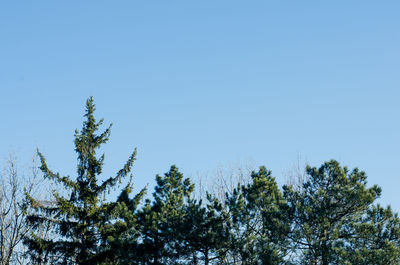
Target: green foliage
(377, 238)
(204, 234)
(331, 203)
(258, 221)
(83, 222)
(330, 219)
(162, 220)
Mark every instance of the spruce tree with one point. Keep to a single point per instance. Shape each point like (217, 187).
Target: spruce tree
(82, 220)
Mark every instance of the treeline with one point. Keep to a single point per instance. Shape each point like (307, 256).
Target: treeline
(332, 218)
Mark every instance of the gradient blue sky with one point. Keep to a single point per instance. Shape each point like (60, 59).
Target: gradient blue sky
(206, 83)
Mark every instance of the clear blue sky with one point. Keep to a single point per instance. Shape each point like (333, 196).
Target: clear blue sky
(204, 83)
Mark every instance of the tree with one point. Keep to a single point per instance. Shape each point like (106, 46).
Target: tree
(376, 240)
(258, 222)
(331, 203)
(162, 220)
(122, 236)
(13, 210)
(204, 235)
(82, 220)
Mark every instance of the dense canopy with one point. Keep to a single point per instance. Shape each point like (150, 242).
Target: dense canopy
(331, 218)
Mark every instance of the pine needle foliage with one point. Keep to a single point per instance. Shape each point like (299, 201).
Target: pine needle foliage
(325, 213)
(331, 219)
(258, 221)
(162, 220)
(83, 222)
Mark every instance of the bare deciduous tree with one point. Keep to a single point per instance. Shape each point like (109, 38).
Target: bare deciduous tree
(224, 179)
(296, 175)
(14, 209)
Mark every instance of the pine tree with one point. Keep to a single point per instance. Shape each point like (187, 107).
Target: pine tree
(83, 222)
(204, 235)
(331, 202)
(258, 221)
(376, 238)
(162, 220)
